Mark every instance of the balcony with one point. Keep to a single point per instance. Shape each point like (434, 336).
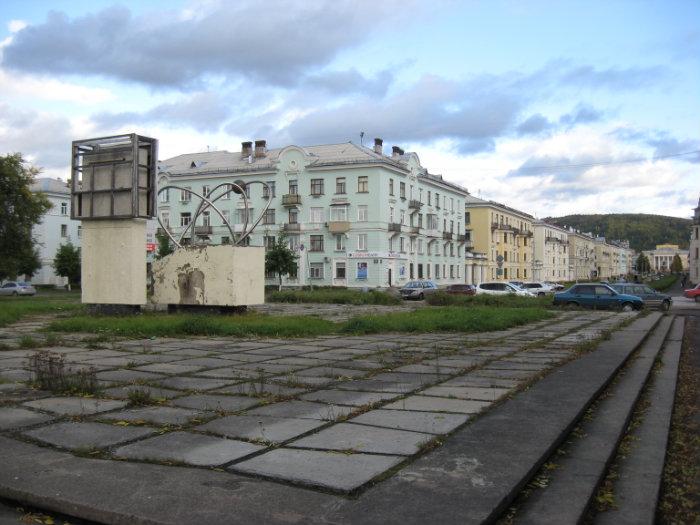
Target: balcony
(338, 226)
(162, 232)
(291, 199)
(432, 232)
(202, 230)
(394, 227)
(414, 230)
(446, 236)
(468, 244)
(292, 227)
(460, 238)
(415, 204)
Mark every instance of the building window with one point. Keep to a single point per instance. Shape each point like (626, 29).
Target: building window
(269, 217)
(361, 271)
(362, 184)
(467, 217)
(316, 215)
(437, 200)
(402, 217)
(293, 187)
(242, 218)
(420, 246)
(452, 272)
(437, 271)
(206, 190)
(420, 220)
(64, 208)
(402, 190)
(339, 213)
(402, 247)
(427, 267)
(362, 213)
(226, 216)
(227, 192)
(185, 218)
(269, 241)
(430, 198)
(362, 242)
(267, 193)
(432, 221)
(293, 216)
(340, 186)
(293, 242)
(391, 187)
(165, 218)
(316, 271)
(316, 186)
(340, 243)
(185, 195)
(206, 219)
(340, 270)
(316, 243)
(420, 271)
(165, 195)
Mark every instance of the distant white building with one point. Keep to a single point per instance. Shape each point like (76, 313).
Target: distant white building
(694, 251)
(55, 228)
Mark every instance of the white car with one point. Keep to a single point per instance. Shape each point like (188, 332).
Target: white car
(501, 288)
(17, 288)
(537, 288)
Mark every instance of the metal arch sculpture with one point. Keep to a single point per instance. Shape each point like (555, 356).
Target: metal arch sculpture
(208, 202)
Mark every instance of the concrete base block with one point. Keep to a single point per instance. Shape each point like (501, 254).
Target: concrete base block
(219, 276)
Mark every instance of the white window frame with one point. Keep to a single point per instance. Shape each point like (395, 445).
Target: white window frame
(362, 242)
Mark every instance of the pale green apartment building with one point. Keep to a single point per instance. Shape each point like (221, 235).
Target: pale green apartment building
(355, 216)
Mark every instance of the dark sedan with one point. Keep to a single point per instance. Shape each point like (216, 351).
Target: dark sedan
(652, 298)
(461, 289)
(597, 296)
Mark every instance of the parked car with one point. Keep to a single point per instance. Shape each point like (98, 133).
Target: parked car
(418, 289)
(461, 289)
(693, 293)
(652, 298)
(539, 289)
(17, 288)
(596, 295)
(519, 284)
(500, 288)
(556, 287)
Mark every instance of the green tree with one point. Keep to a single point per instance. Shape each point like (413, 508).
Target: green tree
(676, 264)
(643, 264)
(20, 209)
(280, 259)
(29, 262)
(67, 263)
(164, 247)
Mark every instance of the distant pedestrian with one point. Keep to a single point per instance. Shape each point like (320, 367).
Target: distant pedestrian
(684, 281)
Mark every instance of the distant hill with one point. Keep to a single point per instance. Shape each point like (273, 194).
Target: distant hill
(643, 231)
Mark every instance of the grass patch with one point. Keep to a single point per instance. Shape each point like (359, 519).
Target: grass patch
(664, 283)
(49, 372)
(139, 397)
(334, 296)
(12, 309)
(27, 341)
(447, 319)
(177, 325)
(504, 301)
(452, 319)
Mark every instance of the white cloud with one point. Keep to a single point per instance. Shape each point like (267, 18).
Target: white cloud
(16, 25)
(18, 85)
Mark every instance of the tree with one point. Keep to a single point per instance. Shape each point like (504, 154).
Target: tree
(676, 264)
(20, 210)
(67, 263)
(164, 247)
(29, 262)
(280, 259)
(643, 264)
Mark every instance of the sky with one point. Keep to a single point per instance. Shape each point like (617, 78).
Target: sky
(551, 107)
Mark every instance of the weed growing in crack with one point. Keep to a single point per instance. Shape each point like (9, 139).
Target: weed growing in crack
(140, 396)
(27, 341)
(49, 372)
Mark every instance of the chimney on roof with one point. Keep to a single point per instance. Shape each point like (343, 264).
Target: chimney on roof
(378, 146)
(246, 149)
(396, 152)
(260, 148)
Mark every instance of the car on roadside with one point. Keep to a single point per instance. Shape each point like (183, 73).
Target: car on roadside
(17, 288)
(652, 298)
(461, 289)
(501, 288)
(418, 289)
(693, 293)
(597, 296)
(556, 287)
(537, 288)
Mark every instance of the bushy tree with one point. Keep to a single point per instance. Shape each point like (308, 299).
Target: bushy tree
(164, 247)
(676, 264)
(643, 264)
(67, 263)
(20, 209)
(29, 262)
(280, 259)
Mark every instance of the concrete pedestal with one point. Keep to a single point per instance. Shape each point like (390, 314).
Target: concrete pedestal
(210, 276)
(113, 256)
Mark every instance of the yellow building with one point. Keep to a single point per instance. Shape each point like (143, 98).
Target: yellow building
(551, 253)
(662, 257)
(581, 256)
(503, 235)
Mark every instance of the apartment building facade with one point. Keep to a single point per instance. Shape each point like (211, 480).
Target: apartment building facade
(551, 253)
(694, 248)
(355, 216)
(503, 236)
(581, 256)
(55, 228)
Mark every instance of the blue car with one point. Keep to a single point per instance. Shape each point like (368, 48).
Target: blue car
(651, 297)
(597, 296)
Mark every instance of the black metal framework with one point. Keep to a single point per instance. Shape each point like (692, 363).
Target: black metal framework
(114, 177)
